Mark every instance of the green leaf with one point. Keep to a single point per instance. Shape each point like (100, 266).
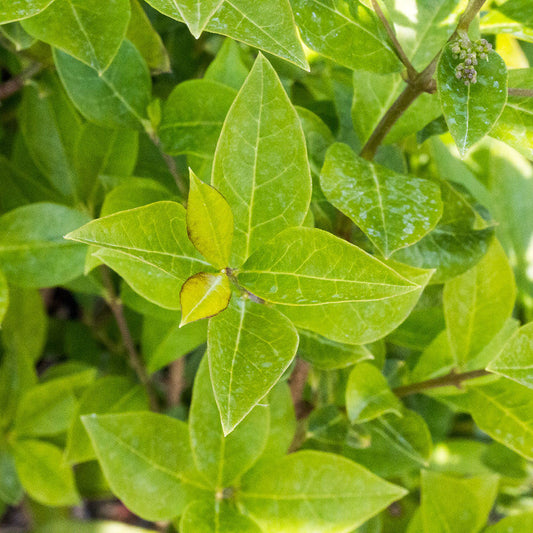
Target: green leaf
(471, 110)
(164, 341)
(34, 254)
(43, 473)
(249, 348)
(204, 295)
(63, 525)
(267, 25)
(458, 242)
(260, 161)
(11, 491)
(196, 13)
(295, 269)
(374, 93)
(209, 222)
(50, 126)
(326, 354)
(147, 461)
(314, 491)
(349, 34)
(393, 210)
(519, 523)
(502, 409)
(477, 304)
(4, 297)
(148, 246)
(454, 504)
(515, 125)
(110, 394)
(228, 67)
(86, 29)
(516, 358)
(221, 517)
(368, 395)
(115, 98)
(520, 10)
(11, 11)
(423, 28)
(193, 116)
(145, 38)
(436, 360)
(222, 459)
(17, 35)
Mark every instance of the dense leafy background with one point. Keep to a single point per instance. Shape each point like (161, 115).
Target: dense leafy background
(265, 267)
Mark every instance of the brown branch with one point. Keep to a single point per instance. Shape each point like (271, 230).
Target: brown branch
(176, 381)
(297, 383)
(15, 84)
(525, 93)
(452, 379)
(135, 360)
(469, 14)
(411, 71)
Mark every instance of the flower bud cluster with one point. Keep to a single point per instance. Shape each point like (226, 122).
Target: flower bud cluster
(469, 52)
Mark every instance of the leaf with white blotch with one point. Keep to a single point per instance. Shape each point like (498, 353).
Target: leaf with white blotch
(43, 473)
(21, 9)
(4, 296)
(393, 210)
(502, 409)
(346, 32)
(204, 295)
(249, 347)
(296, 268)
(515, 125)
(222, 459)
(515, 361)
(267, 25)
(33, 254)
(314, 491)
(147, 461)
(209, 222)
(193, 116)
(206, 516)
(89, 30)
(115, 98)
(477, 304)
(368, 395)
(260, 162)
(443, 502)
(149, 247)
(471, 110)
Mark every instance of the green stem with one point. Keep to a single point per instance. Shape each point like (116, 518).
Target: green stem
(452, 379)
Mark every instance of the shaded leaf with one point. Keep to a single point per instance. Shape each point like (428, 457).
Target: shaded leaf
(519, 523)
(249, 348)
(228, 67)
(11, 491)
(260, 161)
(4, 298)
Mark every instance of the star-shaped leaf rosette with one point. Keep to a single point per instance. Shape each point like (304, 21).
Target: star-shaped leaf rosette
(241, 257)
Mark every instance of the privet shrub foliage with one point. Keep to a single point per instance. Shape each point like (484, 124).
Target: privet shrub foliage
(267, 265)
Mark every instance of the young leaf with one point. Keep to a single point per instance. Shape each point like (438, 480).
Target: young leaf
(267, 25)
(393, 210)
(86, 29)
(444, 502)
(209, 222)
(515, 359)
(477, 304)
(146, 244)
(222, 459)
(502, 409)
(43, 473)
(33, 253)
(193, 116)
(150, 452)
(110, 394)
(11, 491)
(349, 34)
(203, 516)
(249, 347)
(314, 491)
(115, 98)
(296, 268)
(12, 11)
(471, 110)
(368, 395)
(260, 162)
(204, 295)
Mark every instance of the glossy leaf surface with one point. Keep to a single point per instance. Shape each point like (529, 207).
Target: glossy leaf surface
(249, 347)
(11, 11)
(261, 161)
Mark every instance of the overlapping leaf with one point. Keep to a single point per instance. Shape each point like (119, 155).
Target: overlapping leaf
(12, 11)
